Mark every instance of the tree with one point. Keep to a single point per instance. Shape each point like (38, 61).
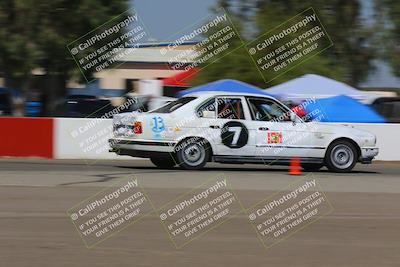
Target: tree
(389, 32)
(353, 40)
(349, 60)
(17, 54)
(34, 35)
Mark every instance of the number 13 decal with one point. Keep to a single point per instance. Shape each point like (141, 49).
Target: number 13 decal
(234, 134)
(158, 125)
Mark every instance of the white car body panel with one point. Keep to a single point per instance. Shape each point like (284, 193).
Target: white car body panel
(306, 140)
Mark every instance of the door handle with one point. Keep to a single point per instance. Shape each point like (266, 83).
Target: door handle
(214, 126)
(263, 129)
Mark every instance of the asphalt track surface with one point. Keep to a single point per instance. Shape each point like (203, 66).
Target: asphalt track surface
(362, 230)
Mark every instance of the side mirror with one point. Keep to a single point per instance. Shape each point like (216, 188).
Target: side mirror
(293, 117)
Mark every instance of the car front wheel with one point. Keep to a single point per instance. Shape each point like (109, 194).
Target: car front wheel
(341, 156)
(193, 155)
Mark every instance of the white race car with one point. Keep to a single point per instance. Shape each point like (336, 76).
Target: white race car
(237, 128)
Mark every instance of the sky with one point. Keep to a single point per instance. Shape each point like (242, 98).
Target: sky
(166, 18)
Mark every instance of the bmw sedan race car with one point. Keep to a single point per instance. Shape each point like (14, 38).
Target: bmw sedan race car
(237, 128)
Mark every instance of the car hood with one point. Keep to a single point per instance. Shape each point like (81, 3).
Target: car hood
(344, 128)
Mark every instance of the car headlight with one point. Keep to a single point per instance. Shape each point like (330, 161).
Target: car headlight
(369, 140)
(366, 138)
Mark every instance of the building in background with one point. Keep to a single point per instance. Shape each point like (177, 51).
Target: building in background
(147, 62)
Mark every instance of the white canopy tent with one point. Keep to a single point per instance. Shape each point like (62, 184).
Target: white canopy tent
(316, 86)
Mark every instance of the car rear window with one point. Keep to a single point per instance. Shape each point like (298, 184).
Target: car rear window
(174, 105)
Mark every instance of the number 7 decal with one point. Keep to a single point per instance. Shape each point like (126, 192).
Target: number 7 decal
(236, 131)
(234, 134)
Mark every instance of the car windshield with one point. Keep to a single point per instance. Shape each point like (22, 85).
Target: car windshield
(174, 105)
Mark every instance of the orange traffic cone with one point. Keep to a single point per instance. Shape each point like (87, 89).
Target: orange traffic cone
(295, 168)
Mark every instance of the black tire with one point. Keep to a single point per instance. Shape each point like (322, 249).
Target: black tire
(193, 153)
(341, 156)
(312, 167)
(163, 162)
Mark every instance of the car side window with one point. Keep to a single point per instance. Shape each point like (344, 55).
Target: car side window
(267, 110)
(207, 109)
(230, 108)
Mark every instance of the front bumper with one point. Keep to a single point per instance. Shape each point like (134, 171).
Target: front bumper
(368, 154)
(117, 144)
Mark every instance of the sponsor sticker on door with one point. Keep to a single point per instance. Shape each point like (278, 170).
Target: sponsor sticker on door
(274, 138)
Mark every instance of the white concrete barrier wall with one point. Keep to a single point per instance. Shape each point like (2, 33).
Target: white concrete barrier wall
(88, 139)
(77, 138)
(387, 135)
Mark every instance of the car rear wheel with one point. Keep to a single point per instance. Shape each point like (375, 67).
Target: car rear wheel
(163, 162)
(341, 156)
(193, 155)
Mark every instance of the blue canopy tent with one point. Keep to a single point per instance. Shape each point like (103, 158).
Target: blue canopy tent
(343, 109)
(231, 86)
(315, 86)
